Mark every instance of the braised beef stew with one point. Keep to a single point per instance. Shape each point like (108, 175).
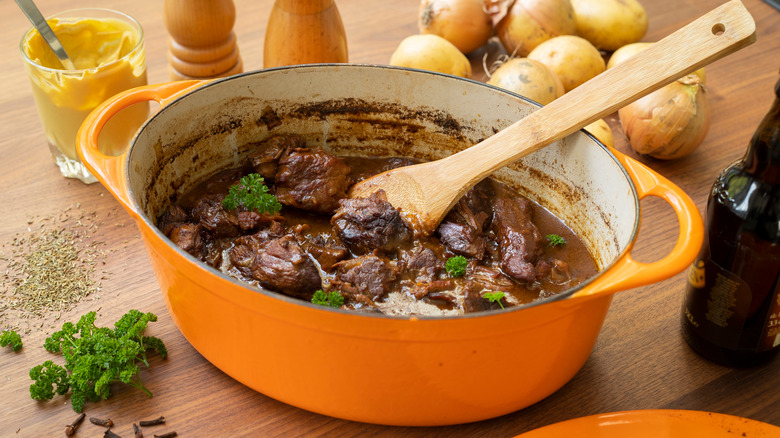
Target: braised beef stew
(364, 249)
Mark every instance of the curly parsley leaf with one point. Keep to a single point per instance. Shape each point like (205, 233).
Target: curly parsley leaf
(10, 337)
(456, 266)
(49, 378)
(555, 240)
(96, 357)
(252, 194)
(494, 297)
(330, 299)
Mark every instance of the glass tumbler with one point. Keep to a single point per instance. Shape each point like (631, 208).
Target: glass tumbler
(107, 49)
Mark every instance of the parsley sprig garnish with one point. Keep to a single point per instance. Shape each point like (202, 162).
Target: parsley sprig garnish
(456, 266)
(96, 357)
(330, 299)
(252, 194)
(555, 240)
(494, 297)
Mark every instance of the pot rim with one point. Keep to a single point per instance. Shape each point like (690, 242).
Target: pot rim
(181, 100)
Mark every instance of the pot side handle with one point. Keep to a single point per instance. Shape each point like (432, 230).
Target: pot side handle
(110, 170)
(628, 273)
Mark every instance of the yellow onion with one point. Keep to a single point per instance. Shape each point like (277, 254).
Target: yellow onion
(610, 24)
(668, 123)
(464, 23)
(431, 52)
(528, 78)
(529, 23)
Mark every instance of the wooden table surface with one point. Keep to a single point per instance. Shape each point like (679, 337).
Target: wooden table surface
(640, 360)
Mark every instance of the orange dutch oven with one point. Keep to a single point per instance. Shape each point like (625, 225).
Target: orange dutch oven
(365, 367)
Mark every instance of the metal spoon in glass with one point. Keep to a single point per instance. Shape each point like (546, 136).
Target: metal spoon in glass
(35, 17)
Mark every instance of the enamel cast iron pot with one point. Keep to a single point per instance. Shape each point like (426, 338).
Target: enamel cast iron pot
(380, 369)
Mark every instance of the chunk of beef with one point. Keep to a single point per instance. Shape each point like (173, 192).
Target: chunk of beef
(266, 159)
(366, 224)
(209, 212)
(479, 200)
(312, 180)
(326, 251)
(462, 229)
(475, 301)
(246, 248)
(557, 271)
(422, 264)
(188, 237)
(422, 290)
(172, 217)
(278, 264)
(520, 242)
(489, 280)
(461, 238)
(367, 275)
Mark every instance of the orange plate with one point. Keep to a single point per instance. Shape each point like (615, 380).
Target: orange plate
(660, 423)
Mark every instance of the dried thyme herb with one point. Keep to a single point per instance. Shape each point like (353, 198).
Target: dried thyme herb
(52, 266)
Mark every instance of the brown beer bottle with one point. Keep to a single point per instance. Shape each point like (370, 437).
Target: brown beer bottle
(731, 313)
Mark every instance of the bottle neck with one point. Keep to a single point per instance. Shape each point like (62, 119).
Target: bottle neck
(762, 158)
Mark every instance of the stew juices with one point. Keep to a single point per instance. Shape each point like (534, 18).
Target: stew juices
(107, 50)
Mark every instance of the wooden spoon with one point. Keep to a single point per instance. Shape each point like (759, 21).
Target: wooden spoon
(424, 193)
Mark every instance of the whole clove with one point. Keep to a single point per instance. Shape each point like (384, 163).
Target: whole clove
(154, 422)
(166, 435)
(100, 422)
(137, 431)
(71, 428)
(109, 434)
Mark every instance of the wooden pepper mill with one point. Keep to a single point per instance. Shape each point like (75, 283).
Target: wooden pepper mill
(304, 32)
(202, 43)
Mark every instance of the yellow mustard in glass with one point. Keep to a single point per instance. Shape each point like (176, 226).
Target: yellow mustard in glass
(107, 50)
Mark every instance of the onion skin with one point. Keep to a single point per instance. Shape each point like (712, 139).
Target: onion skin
(464, 23)
(610, 24)
(529, 23)
(669, 123)
(528, 78)
(431, 52)
(572, 58)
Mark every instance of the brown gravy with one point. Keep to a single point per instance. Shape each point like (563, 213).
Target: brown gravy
(407, 286)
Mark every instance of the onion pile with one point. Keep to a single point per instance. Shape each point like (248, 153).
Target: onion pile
(553, 46)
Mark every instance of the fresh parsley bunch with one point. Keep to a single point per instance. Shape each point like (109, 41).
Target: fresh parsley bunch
(252, 194)
(96, 357)
(10, 337)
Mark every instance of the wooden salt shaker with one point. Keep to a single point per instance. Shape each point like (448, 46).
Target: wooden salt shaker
(202, 42)
(304, 32)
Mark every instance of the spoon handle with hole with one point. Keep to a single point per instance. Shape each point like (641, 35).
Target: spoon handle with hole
(718, 33)
(36, 18)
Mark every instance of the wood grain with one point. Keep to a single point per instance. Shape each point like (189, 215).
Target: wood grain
(640, 360)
